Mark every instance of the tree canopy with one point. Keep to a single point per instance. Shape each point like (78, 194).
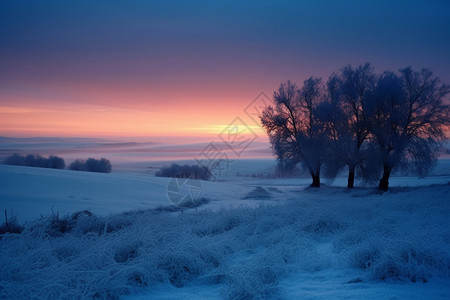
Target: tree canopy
(367, 122)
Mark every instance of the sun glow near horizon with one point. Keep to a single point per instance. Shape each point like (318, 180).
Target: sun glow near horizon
(89, 120)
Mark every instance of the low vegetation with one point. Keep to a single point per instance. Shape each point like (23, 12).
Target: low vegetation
(102, 165)
(10, 226)
(246, 253)
(31, 160)
(184, 171)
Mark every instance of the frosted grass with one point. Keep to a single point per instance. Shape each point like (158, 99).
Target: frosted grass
(401, 236)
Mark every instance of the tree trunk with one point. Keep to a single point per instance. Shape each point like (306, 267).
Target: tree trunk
(316, 179)
(384, 181)
(351, 177)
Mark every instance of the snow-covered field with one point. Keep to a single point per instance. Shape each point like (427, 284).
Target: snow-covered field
(250, 238)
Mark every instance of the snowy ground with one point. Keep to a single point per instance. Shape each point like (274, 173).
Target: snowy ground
(29, 193)
(263, 238)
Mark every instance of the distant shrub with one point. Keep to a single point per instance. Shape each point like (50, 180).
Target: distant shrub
(31, 160)
(15, 160)
(56, 162)
(102, 165)
(184, 171)
(77, 165)
(94, 165)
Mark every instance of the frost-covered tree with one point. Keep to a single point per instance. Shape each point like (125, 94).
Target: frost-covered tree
(185, 171)
(32, 160)
(77, 165)
(408, 115)
(102, 165)
(294, 130)
(286, 162)
(56, 162)
(344, 115)
(282, 123)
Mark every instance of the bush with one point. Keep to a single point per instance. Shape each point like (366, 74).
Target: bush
(56, 162)
(31, 160)
(15, 160)
(102, 165)
(185, 171)
(77, 165)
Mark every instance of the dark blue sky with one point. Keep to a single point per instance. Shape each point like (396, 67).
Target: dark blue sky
(287, 37)
(139, 53)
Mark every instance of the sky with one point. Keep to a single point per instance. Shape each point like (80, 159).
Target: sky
(189, 68)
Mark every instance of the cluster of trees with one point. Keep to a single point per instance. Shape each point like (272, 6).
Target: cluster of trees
(185, 171)
(102, 165)
(31, 160)
(90, 165)
(369, 123)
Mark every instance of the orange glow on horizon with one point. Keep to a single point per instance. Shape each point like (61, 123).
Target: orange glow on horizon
(34, 117)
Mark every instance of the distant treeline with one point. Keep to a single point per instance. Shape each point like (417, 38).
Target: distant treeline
(30, 160)
(102, 165)
(185, 171)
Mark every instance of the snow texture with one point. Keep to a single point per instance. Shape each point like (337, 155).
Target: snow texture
(349, 241)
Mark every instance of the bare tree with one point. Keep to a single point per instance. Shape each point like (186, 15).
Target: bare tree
(408, 115)
(345, 117)
(294, 130)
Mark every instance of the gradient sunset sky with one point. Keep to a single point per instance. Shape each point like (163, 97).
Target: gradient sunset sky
(188, 68)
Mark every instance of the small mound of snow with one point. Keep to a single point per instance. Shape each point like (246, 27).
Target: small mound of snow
(258, 193)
